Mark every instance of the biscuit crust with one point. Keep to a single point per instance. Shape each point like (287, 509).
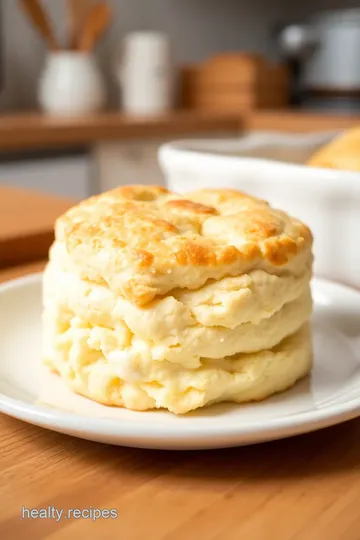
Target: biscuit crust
(342, 153)
(144, 241)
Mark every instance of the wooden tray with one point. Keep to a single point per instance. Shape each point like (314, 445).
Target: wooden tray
(26, 224)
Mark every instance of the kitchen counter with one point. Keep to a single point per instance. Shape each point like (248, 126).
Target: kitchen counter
(36, 131)
(27, 224)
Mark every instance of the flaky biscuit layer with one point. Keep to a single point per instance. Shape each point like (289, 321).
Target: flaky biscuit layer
(117, 353)
(90, 361)
(256, 316)
(144, 241)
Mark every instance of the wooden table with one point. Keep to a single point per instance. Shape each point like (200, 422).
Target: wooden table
(304, 488)
(27, 224)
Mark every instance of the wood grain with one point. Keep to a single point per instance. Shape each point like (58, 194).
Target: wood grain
(292, 121)
(304, 488)
(13, 272)
(234, 82)
(26, 224)
(37, 131)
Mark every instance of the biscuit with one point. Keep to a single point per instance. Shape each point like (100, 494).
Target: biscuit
(98, 363)
(152, 300)
(145, 241)
(343, 152)
(168, 329)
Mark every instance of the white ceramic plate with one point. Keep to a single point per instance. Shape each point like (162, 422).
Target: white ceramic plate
(330, 396)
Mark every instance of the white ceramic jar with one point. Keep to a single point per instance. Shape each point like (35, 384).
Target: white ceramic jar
(71, 84)
(145, 73)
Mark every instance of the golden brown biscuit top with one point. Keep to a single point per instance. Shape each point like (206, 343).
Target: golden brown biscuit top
(145, 241)
(343, 152)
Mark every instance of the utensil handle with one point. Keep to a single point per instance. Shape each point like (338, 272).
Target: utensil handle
(77, 14)
(96, 24)
(37, 16)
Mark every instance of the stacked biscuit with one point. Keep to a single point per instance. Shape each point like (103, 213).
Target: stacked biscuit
(156, 300)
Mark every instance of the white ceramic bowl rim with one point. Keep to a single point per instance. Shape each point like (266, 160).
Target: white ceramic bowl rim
(196, 153)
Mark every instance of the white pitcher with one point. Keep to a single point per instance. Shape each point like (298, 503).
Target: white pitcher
(71, 84)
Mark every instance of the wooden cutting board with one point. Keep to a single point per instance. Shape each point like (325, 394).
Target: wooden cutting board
(26, 224)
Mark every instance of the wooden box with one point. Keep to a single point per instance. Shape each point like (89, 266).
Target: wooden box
(234, 82)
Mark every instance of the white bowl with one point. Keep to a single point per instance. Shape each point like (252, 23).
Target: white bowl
(271, 166)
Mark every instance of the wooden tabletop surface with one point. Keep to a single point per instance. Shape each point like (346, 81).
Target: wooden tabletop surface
(303, 488)
(27, 224)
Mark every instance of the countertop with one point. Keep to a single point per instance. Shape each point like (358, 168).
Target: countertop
(26, 224)
(36, 131)
(303, 488)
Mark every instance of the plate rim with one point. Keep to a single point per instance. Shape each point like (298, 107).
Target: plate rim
(269, 428)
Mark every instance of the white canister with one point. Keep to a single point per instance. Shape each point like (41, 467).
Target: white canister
(71, 84)
(145, 73)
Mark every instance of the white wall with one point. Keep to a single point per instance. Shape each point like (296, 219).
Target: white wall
(198, 29)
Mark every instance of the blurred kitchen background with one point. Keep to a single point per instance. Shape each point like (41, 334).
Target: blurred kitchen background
(66, 130)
